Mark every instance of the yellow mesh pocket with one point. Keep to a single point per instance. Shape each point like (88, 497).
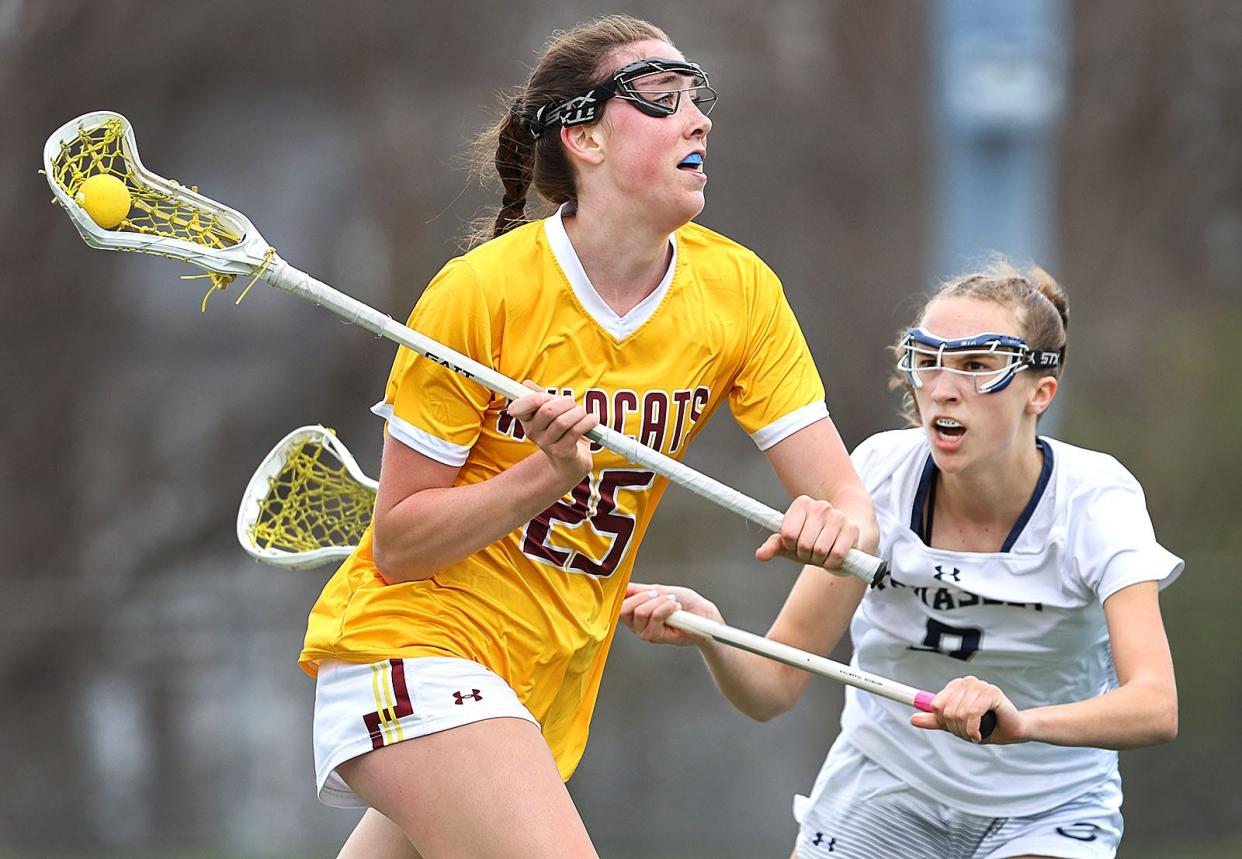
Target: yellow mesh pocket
(154, 211)
(313, 503)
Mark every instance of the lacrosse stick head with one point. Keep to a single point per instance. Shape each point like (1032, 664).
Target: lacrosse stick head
(166, 218)
(307, 504)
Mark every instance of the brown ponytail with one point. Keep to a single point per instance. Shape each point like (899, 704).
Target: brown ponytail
(515, 156)
(1042, 327)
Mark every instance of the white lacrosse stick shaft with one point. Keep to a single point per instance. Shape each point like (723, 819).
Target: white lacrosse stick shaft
(744, 640)
(284, 276)
(757, 644)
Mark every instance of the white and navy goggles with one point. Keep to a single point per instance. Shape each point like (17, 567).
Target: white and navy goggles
(992, 360)
(654, 86)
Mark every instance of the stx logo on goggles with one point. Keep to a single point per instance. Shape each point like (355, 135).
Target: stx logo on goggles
(579, 110)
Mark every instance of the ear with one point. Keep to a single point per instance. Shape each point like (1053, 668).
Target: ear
(584, 143)
(1042, 396)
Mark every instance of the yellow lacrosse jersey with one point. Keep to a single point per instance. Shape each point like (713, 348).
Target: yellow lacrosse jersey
(539, 606)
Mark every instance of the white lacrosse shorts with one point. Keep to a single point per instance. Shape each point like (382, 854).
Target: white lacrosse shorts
(362, 707)
(859, 810)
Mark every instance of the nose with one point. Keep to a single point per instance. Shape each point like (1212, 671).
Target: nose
(699, 122)
(943, 387)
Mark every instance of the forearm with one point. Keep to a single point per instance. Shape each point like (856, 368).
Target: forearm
(759, 687)
(1142, 710)
(1139, 713)
(814, 618)
(436, 527)
(814, 462)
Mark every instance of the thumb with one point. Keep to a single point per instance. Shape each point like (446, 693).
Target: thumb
(770, 549)
(926, 721)
(636, 587)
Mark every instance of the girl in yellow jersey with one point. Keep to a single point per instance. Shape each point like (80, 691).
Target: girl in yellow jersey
(459, 651)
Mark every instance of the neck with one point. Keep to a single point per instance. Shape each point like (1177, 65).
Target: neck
(989, 498)
(624, 256)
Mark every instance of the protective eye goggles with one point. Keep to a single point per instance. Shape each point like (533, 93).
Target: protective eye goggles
(654, 86)
(991, 360)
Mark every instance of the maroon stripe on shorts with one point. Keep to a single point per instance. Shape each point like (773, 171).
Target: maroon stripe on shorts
(391, 714)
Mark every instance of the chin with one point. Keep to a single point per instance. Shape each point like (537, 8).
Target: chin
(948, 459)
(690, 209)
(669, 219)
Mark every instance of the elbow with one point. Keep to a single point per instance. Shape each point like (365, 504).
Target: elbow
(1162, 724)
(385, 564)
(766, 707)
(1166, 730)
(780, 694)
(766, 711)
(761, 711)
(1166, 725)
(394, 565)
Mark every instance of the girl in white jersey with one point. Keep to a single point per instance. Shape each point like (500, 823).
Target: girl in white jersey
(458, 651)
(1024, 563)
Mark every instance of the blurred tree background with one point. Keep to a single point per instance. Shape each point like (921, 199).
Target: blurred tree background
(150, 704)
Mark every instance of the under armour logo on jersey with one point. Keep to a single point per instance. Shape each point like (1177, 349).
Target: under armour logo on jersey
(1080, 831)
(819, 839)
(941, 574)
(462, 696)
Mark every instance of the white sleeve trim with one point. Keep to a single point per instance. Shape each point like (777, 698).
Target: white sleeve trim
(419, 440)
(783, 428)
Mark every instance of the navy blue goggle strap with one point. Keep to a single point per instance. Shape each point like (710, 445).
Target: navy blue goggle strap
(586, 108)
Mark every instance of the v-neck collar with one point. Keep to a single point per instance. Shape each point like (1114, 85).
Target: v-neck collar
(924, 507)
(618, 326)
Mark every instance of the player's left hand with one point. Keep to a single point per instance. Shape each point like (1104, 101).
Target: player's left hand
(959, 707)
(813, 532)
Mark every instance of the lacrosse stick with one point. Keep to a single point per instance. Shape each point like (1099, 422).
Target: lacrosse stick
(850, 676)
(309, 502)
(179, 223)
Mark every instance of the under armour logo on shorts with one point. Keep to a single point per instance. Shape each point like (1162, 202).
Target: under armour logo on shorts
(462, 696)
(819, 839)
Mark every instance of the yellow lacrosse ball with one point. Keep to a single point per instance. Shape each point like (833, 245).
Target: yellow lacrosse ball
(105, 198)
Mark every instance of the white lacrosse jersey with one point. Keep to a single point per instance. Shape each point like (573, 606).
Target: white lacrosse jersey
(1029, 619)
(539, 606)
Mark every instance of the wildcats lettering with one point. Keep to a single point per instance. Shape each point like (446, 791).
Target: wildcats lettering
(659, 419)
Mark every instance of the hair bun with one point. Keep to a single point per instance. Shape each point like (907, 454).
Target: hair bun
(1046, 285)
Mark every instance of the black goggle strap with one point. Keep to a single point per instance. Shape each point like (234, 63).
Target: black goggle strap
(584, 109)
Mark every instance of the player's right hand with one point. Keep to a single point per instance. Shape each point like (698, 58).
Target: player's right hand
(646, 607)
(812, 532)
(558, 426)
(959, 707)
